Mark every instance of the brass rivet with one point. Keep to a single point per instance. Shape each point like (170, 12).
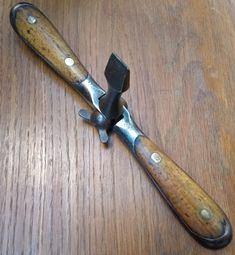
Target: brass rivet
(156, 157)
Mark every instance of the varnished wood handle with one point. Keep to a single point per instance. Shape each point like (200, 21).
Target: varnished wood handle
(197, 211)
(40, 34)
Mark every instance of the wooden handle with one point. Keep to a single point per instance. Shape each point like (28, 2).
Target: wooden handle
(40, 34)
(204, 219)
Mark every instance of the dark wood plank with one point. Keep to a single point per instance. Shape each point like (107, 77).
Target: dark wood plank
(61, 191)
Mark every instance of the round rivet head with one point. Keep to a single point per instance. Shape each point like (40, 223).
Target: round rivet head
(69, 61)
(31, 19)
(205, 214)
(156, 158)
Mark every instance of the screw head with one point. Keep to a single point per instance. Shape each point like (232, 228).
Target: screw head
(31, 19)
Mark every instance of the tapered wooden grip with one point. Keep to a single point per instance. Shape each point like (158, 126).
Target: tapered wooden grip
(40, 34)
(200, 214)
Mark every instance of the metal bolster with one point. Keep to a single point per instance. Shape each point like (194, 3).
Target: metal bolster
(127, 129)
(90, 91)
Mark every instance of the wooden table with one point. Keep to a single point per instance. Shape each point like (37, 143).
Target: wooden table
(61, 190)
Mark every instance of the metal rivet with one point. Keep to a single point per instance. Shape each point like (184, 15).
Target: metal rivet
(69, 61)
(205, 214)
(156, 157)
(31, 19)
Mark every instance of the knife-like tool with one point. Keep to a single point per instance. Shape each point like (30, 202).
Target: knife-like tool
(198, 212)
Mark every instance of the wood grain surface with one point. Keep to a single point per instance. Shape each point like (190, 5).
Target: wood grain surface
(185, 197)
(61, 190)
(49, 44)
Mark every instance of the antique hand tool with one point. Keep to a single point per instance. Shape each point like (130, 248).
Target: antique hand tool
(201, 216)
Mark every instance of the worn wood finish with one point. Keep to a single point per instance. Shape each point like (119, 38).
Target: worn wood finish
(46, 41)
(205, 220)
(61, 191)
(201, 215)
